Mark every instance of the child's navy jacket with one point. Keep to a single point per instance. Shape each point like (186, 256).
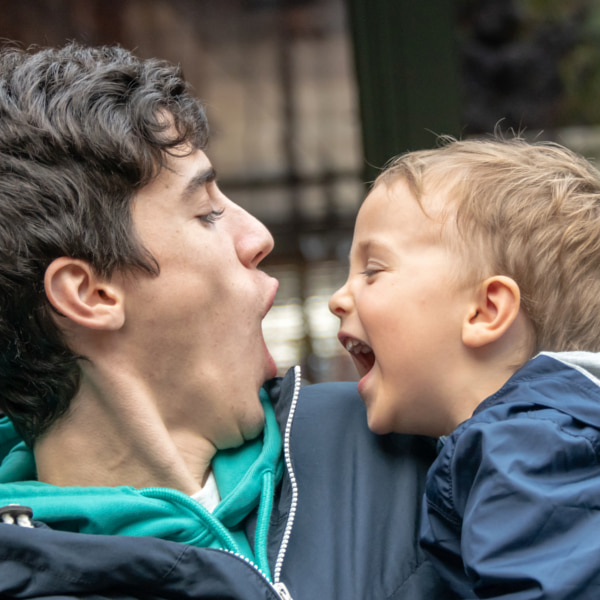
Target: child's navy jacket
(512, 505)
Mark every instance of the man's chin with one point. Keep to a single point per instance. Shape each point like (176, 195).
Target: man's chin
(250, 432)
(255, 432)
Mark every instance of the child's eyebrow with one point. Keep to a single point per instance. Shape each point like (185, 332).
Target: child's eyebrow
(366, 246)
(361, 249)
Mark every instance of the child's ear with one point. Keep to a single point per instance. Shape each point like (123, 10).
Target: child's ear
(78, 293)
(493, 310)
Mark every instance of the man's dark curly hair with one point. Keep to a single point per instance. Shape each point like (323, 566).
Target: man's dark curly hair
(81, 131)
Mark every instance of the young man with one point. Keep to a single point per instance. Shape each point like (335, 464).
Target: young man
(472, 310)
(154, 461)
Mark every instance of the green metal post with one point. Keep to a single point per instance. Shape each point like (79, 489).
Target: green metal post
(407, 75)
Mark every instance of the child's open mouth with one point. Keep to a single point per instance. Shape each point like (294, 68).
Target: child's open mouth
(361, 354)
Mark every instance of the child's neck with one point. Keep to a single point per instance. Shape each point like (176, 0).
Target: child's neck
(486, 369)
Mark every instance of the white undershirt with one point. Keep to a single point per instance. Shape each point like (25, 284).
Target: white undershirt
(208, 496)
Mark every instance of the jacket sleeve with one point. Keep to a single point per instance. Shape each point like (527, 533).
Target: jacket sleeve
(513, 510)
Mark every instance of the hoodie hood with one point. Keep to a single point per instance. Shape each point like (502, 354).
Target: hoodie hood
(246, 478)
(576, 384)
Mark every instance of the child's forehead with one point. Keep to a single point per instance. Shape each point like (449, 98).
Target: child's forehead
(433, 195)
(438, 200)
(391, 211)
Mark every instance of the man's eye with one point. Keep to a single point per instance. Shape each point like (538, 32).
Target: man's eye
(212, 216)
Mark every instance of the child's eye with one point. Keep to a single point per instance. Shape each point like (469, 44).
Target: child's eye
(212, 216)
(369, 272)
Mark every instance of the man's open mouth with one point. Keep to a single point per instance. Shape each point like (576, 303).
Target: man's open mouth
(361, 354)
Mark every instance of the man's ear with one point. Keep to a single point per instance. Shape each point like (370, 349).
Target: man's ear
(493, 311)
(77, 292)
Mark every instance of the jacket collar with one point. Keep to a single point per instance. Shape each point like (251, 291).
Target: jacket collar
(569, 382)
(246, 477)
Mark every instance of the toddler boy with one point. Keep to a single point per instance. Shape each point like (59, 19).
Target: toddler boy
(472, 312)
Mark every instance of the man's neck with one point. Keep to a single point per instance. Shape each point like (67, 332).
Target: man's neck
(121, 440)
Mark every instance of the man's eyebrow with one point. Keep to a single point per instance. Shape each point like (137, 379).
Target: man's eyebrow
(197, 181)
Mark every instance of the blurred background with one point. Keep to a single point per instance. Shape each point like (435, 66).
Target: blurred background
(308, 99)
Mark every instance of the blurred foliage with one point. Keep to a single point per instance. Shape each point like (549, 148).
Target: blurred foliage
(529, 64)
(580, 68)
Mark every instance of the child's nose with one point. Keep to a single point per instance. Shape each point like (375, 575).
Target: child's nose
(339, 303)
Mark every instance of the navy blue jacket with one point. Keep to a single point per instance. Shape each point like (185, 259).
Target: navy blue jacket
(344, 525)
(513, 499)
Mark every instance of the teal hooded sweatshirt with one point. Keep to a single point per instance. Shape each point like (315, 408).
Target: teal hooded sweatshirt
(246, 478)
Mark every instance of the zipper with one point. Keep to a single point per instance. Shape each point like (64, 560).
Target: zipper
(279, 589)
(282, 591)
(290, 469)
(278, 586)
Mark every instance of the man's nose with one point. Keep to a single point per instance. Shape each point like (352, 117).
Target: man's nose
(254, 242)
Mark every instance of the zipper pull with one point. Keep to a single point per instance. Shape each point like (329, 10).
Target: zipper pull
(283, 592)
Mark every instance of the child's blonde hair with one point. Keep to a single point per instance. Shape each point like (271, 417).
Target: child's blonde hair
(532, 211)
